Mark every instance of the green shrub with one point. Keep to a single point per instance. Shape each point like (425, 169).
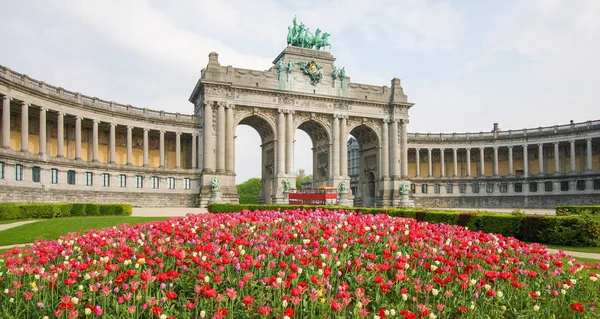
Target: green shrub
(9, 211)
(51, 210)
(450, 218)
(577, 210)
(92, 209)
(78, 209)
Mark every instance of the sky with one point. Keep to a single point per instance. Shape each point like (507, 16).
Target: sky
(465, 64)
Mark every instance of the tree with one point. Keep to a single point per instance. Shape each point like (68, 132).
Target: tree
(248, 191)
(301, 178)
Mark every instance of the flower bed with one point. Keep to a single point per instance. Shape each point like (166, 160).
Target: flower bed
(292, 264)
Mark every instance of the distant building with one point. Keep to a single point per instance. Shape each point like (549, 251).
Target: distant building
(353, 166)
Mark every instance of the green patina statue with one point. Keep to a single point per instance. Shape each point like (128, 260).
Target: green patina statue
(336, 73)
(300, 36)
(215, 184)
(343, 74)
(286, 185)
(404, 189)
(342, 187)
(279, 69)
(290, 66)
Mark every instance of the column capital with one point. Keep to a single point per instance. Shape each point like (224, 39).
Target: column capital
(442, 149)
(481, 148)
(177, 133)
(230, 105)
(61, 113)
(23, 103)
(113, 124)
(429, 149)
(221, 104)
(97, 121)
(417, 149)
(78, 117)
(195, 134)
(495, 147)
(572, 141)
(386, 121)
(43, 108)
(130, 127)
(540, 144)
(454, 149)
(556, 143)
(6, 97)
(162, 131)
(588, 139)
(146, 129)
(403, 121)
(281, 111)
(510, 147)
(468, 149)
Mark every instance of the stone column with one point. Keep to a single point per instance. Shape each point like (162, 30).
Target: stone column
(43, 111)
(95, 140)
(556, 159)
(429, 166)
(207, 135)
(418, 161)
(60, 135)
(194, 150)
(540, 158)
(146, 149)
(495, 160)
(280, 143)
(482, 161)
(385, 151)
(404, 148)
(395, 151)
(572, 156)
(129, 145)
(525, 162)
(220, 136)
(78, 137)
(24, 127)
(289, 143)
(468, 155)
(178, 150)
(112, 143)
(344, 147)
(455, 161)
(336, 147)
(161, 149)
(5, 121)
(442, 163)
(511, 170)
(589, 154)
(229, 141)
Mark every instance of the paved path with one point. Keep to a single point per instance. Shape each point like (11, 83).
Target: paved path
(166, 211)
(577, 254)
(530, 211)
(16, 224)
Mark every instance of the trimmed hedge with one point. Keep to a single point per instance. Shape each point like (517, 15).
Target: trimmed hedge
(577, 210)
(575, 230)
(51, 210)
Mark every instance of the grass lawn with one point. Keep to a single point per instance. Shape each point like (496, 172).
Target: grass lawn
(595, 250)
(56, 227)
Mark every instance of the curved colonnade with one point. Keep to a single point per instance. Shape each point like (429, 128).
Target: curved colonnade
(62, 146)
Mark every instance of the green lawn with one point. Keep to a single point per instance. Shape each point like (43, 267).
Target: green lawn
(54, 228)
(595, 250)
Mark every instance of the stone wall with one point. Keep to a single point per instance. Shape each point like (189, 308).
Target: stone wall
(539, 201)
(26, 194)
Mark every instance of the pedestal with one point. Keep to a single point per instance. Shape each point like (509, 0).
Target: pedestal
(345, 199)
(215, 197)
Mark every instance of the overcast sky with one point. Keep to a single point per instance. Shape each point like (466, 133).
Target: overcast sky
(466, 64)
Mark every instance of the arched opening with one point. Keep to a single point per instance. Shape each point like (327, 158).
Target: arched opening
(320, 155)
(247, 155)
(363, 165)
(302, 161)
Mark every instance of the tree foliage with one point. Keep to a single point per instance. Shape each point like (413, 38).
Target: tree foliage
(248, 191)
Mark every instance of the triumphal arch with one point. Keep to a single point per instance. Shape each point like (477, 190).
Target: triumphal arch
(303, 89)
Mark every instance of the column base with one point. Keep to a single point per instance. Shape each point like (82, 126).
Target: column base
(128, 164)
(161, 166)
(112, 162)
(60, 156)
(78, 158)
(145, 165)
(95, 161)
(6, 146)
(42, 154)
(24, 151)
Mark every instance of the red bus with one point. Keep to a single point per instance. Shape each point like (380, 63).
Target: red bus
(313, 196)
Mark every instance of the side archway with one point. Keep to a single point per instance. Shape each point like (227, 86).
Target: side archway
(365, 165)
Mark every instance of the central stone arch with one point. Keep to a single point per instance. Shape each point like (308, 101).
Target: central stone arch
(302, 90)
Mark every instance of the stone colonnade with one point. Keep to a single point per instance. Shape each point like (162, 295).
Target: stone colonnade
(24, 127)
(495, 167)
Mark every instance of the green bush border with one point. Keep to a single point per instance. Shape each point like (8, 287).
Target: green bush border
(577, 210)
(574, 230)
(52, 210)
